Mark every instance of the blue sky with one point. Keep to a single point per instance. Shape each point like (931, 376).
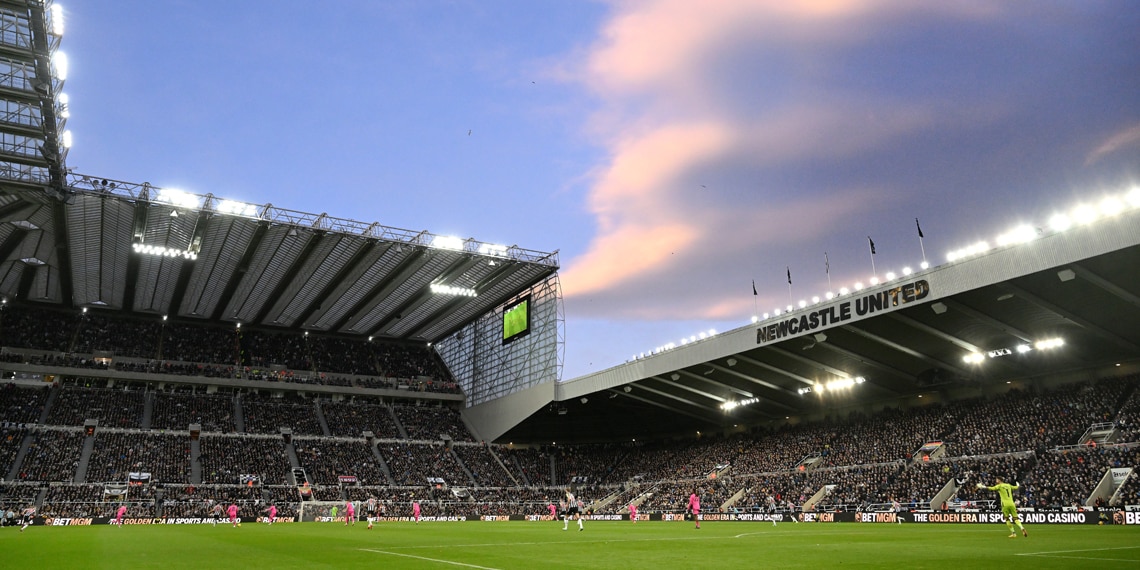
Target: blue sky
(672, 151)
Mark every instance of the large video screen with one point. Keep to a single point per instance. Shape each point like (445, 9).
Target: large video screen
(516, 320)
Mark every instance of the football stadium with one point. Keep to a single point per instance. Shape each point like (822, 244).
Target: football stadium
(173, 365)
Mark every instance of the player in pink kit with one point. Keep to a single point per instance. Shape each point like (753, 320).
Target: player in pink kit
(233, 512)
(695, 507)
(349, 513)
(553, 511)
(271, 514)
(122, 512)
(416, 511)
(633, 513)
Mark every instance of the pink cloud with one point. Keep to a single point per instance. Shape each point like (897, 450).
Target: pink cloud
(663, 118)
(1123, 139)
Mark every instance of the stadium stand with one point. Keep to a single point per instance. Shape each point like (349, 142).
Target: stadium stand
(52, 455)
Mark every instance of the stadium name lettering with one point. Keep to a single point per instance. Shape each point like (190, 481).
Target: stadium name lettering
(865, 305)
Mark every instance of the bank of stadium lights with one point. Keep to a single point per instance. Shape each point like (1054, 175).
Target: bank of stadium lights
(60, 65)
(236, 208)
(447, 242)
(731, 404)
(160, 251)
(57, 20)
(670, 346)
(1080, 215)
(493, 249)
(832, 386)
(440, 289)
(1046, 344)
(178, 198)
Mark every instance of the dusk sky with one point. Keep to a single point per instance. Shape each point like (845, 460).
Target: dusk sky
(672, 151)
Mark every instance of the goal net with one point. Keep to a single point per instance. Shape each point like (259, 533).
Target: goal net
(323, 511)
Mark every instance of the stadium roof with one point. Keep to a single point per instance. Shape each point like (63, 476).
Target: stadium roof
(136, 248)
(1000, 308)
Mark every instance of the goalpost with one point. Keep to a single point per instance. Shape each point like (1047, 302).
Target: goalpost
(322, 511)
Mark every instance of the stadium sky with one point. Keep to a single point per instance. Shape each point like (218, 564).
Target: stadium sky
(672, 151)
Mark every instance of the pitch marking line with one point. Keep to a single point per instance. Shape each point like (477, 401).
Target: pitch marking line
(607, 540)
(1056, 553)
(441, 561)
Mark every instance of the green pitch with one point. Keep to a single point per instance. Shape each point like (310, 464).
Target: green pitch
(527, 545)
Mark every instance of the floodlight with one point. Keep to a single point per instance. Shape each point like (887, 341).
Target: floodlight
(627, 389)
(907, 271)
(1084, 214)
(891, 276)
(765, 315)
(815, 299)
(177, 198)
(1060, 222)
(66, 139)
(236, 208)
(1133, 197)
(829, 295)
(493, 249)
(59, 63)
(859, 286)
(447, 242)
(802, 303)
(1021, 234)
(57, 20)
(844, 290)
(924, 265)
(874, 281)
(755, 319)
(1111, 206)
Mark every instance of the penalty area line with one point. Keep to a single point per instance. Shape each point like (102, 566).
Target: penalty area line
(441, 561)
(1050, 553)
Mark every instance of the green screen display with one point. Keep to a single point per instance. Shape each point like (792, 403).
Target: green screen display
(516, 320)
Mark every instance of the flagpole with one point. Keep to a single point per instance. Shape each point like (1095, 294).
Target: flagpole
(871, 245)
(827, 269)
(920, 246)
(755, 300)
(790, 285)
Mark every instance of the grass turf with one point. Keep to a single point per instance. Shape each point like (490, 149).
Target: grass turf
(518, 545)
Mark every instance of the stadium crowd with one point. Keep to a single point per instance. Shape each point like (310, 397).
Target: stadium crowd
(865, 460)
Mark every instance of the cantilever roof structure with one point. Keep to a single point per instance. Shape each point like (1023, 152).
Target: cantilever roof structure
(1061, 304)
(136, 248)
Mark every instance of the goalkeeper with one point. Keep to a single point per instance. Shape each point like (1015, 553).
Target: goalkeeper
(1008, 509)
